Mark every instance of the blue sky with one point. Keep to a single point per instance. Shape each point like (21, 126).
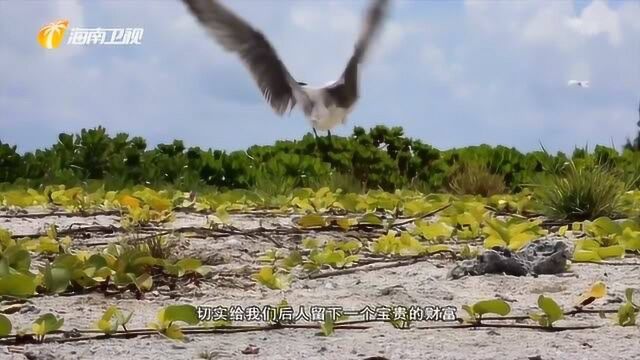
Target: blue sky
(452, 73)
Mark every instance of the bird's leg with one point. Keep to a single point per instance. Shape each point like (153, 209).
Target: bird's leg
(317, 139)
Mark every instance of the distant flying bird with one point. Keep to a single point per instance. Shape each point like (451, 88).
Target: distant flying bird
(581, 83)
(324, 107)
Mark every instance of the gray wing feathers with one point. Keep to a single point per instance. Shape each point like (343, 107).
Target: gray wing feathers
(235, 35)
(374, 18)
(345, 90)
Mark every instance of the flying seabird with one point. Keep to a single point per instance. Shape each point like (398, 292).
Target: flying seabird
(581, 83)
(324, 107)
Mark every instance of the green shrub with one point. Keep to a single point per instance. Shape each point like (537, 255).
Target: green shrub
(379, 158)
(476, 179)
(346, 182)
(581, 193)
(9, 163)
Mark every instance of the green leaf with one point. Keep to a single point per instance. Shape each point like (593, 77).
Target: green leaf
(17, 258)
(630, 239)
(345, 223)
(67, 261)
(312, 221)
(597, 291)
(105, 324)
(437, 248)
(56, 280)
(586, 256)
(492, 241)
(551, 309)
(48, 245)
(5, 325)
(184, 266)
(434, 231)
(122, 319)
(615, 251)
(18, 285)
(174, 332)
(294, 259)
(268, 278)
(327, 328)
(350, 246)
(513, 233)
(628, 294)
(310, 243)
(168, 316)
(184, 313)
(604, 226)
(144, 282)
(494, 306)
(222, 214)
(188, 264)
(627, 314)
(370, 219)
(97, 261)
(46, 324)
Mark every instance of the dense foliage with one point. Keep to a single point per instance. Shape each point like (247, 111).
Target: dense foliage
(380, 158)
(635, 143)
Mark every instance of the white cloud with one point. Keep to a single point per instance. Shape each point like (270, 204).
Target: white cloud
(629, 13)
(309, 18)
(74, 12)
(445, 70)
(496, 73)
(546, 26)
(550, 22)
(597, 18)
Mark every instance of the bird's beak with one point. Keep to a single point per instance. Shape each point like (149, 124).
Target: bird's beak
(302, 83)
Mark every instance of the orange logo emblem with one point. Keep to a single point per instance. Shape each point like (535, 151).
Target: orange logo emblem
(50, 36)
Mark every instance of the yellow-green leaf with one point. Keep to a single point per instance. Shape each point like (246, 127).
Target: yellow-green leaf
(46, 324)
(586, 256)
(184, 313)
(551, 309)
(18, 285)
(615, 251)
(174, 332)
(268, 278)
(494, 306)
(597, 291)
(312, 221)
(5, 325)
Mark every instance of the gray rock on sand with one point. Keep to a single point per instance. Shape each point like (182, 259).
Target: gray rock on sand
(542, 256)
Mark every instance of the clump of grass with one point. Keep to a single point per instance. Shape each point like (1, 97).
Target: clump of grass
(581, 194)
(272, 185)
(347, 182)
(476, 179)
(159, 247)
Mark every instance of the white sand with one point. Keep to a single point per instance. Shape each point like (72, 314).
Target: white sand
(420, 284)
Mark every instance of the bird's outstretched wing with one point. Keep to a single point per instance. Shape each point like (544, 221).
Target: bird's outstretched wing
(345, 90)
(235, 35)
(374, 18)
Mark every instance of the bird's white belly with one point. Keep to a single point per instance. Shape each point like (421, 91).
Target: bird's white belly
(324, 119)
